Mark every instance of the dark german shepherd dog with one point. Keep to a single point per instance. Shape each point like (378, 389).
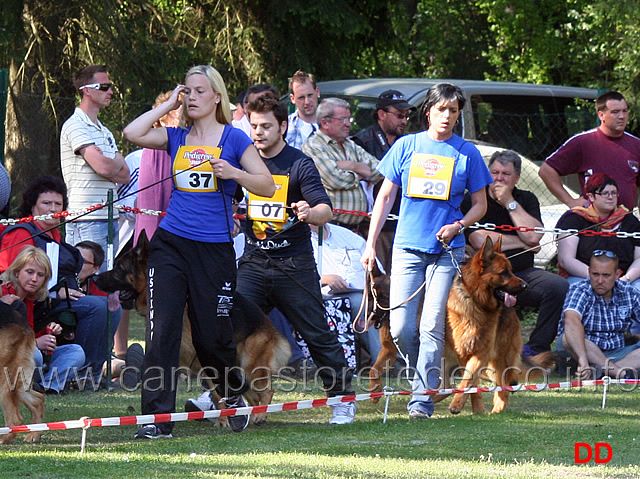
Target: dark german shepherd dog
(261, 349)
(482, 335)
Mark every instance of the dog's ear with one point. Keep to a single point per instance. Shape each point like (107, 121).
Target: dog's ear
(142, 246)
(486, 252)
(498, 246)
(142, 239)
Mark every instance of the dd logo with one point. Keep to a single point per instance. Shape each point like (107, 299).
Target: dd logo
(598, 446)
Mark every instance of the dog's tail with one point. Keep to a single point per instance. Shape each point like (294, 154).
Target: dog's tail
(282, 353)
(538, 366)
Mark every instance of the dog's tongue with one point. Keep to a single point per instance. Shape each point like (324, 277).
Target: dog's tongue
(509, 300)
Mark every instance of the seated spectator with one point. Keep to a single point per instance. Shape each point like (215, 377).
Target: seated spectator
(24, 286)
(93, 257)
(508, 205)
(343, 275)
(597, 314)
(603, 214)
(48, 195)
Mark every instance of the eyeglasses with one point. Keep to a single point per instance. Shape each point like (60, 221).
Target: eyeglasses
(346, 120)
(608, 194)
(399, 116)
(604, 252)
(98, 86)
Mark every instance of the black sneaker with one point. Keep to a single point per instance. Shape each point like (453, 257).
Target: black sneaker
(132, 372)
(236, 423)
(151, 431)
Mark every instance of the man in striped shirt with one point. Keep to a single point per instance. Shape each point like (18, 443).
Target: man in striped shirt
(91, 163)
(347, 171)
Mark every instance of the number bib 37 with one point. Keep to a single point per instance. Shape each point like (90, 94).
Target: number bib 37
(430, 176)
(200, 179)
(270, 209)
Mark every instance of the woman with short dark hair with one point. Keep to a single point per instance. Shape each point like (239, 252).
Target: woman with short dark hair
(432, 170)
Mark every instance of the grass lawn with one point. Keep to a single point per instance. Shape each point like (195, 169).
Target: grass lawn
(534, 438)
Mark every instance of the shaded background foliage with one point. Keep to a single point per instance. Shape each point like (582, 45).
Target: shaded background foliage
(149, 44)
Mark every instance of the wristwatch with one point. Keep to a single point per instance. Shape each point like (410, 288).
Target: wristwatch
(512, 206)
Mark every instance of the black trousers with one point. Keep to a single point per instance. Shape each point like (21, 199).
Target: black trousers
(546, 291)
(293, 286)
(202, 276)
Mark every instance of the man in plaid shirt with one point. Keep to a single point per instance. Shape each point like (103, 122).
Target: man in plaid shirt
(596, 315)
(347, 171)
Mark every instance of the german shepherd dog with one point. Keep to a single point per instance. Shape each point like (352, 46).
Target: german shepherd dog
(261, 349)
(482, 333)
(17, 347)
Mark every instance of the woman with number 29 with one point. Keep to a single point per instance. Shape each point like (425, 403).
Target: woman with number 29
(192, 258)
(431, 169)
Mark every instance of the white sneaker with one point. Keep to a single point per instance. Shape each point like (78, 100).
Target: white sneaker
(203, 403)
(344, 412)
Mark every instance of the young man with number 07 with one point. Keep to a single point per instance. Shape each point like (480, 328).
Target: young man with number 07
(277, 268)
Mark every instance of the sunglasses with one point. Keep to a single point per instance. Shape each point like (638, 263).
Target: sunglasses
(604, 252)
(399, 116)
(98, 86)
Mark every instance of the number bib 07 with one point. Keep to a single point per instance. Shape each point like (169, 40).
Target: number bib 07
(200, 179)
(430, 176)
(270, 209)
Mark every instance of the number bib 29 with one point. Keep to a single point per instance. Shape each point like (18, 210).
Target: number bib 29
(201, 178)
(270, 209)
(430, 176)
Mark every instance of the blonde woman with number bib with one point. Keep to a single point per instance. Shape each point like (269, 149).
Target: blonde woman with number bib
(192, 260)
(431, 170)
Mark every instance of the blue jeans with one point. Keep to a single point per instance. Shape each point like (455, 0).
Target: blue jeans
(95, 231)
(66, 360)
(424, 346)
(91, 331)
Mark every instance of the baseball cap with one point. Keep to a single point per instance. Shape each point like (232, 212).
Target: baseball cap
(393, 98)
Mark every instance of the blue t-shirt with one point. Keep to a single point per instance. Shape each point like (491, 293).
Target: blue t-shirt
(205, 216)
(421, 218)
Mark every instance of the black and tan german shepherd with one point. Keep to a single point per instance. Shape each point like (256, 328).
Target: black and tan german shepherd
(482, 334)
(261, 349)
(17, 347)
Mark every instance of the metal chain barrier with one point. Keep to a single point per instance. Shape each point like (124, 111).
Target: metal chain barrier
(486, 226)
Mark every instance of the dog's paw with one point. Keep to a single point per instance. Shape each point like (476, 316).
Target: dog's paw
(258, 419)
(7, 438)
(32, 437)
(222, 422)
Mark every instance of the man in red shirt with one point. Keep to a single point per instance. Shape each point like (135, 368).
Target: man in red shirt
(607, 149)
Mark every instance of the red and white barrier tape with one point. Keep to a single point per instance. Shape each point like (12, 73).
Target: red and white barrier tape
(291, 406)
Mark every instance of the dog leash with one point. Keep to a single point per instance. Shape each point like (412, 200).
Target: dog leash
(445, 248)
